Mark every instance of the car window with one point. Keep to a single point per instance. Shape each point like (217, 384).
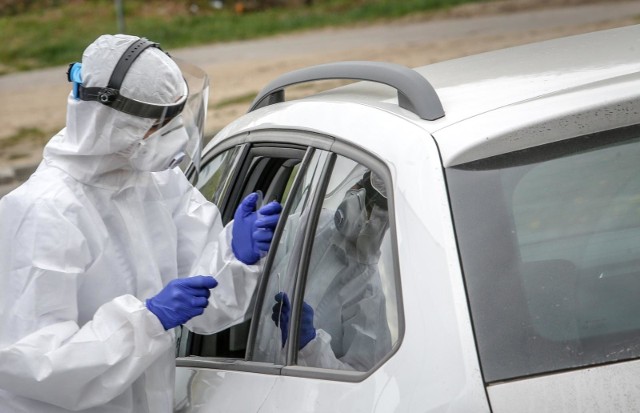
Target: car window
(550, 245)
(348, 315)
(270, 339)
(214, 177)
(264, 168)
(213, 181)
(349, 289)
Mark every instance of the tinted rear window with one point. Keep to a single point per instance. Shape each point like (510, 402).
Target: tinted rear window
(550, 245)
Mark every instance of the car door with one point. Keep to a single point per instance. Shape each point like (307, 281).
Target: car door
(350, 282)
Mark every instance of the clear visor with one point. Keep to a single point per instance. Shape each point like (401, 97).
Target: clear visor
(193, 115)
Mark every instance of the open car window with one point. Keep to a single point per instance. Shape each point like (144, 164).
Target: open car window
(226, 179)
(214, 178)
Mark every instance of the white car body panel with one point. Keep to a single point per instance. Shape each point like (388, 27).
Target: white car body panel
(208, 390)
(431, 280)
(475, 85)
(612, 388)
(531, 123)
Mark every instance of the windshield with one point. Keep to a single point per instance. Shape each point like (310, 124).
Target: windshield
(549, 239)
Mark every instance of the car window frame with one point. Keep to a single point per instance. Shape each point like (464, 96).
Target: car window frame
(363, 157)
(314, 141)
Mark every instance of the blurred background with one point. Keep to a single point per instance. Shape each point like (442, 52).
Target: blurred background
(246, 43)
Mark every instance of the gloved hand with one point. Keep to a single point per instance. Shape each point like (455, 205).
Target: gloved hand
(281, 312)
(252, 232)
(181, 300)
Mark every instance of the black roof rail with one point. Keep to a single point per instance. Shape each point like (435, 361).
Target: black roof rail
(415, 93)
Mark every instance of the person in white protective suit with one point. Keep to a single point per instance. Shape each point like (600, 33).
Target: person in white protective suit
(106, 248)
(343, 322)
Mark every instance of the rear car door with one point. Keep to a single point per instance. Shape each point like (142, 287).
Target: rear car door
(348, 279)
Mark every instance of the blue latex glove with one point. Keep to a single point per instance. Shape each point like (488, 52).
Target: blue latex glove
(181, 300)
(252, 232)
(281, 311)
(307, 330)
(282, 308)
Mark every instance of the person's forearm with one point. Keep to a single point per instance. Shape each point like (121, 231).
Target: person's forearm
(230, 301)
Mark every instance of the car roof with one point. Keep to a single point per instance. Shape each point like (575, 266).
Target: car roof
(494, 100)
(473, 85)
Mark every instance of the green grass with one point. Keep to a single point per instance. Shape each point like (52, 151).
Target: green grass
(32, 134)
(58, 35)
(234, 100)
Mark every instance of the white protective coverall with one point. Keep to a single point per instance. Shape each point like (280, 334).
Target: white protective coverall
(87, 239)
(344, 289)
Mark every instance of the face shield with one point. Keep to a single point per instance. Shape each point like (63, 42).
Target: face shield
(188, 125)
(175, 136)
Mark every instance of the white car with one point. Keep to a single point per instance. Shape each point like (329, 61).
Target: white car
(467, 235)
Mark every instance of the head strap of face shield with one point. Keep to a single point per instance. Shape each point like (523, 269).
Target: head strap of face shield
(110, 95)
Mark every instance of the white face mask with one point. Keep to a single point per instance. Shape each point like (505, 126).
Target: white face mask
(161, 150)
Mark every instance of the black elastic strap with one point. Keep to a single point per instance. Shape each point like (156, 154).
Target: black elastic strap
(110, 95)
(127, 59)
(111, 98)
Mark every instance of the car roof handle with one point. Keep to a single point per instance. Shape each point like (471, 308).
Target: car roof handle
(415, 93)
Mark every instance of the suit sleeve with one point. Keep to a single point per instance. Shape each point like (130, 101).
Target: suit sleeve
(44, 354)
(204, 248)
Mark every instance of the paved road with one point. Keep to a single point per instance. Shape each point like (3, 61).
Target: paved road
(37, 99)
(391, 35)
(378, 36)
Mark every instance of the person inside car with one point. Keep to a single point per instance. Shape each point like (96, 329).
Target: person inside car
(343, 324)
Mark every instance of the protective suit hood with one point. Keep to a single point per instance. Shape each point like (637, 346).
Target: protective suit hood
(95, 146)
